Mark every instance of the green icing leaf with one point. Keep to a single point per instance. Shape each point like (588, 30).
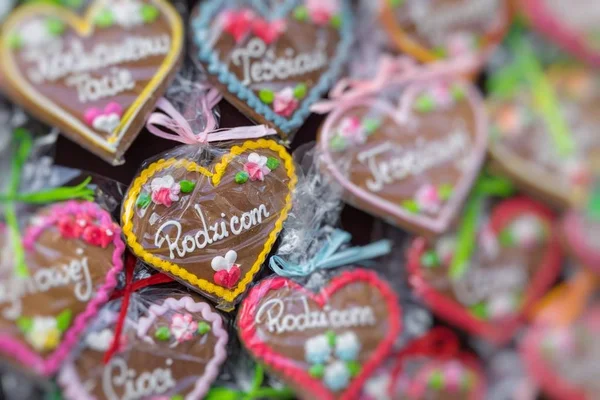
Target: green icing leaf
(445, 191)
(55, 26)
(479, 310)
(371, 125)
(143, 200)
(187, 186)
(203, 328)
(440, 52)
(330, 338)
(506, 238)
(272, 163)
(336, 21)
(222, 393)
(317, 371)
(72, 3)
(25, 324)
(425, 103)
(436, 380)
(301, 13)
(457, 93)
(411, 206)
(163, 334)
(104, 19)
(15, 41)
(241, 177)
(396, 3)
(338, 143)
(430, 259)
(177, 397)
(266, 96)
(63, 320)
(354, 368)
(593, 203)
(149, 13)
(300, 91)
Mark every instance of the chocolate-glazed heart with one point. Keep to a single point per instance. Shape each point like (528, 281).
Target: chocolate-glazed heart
(73, 255)
(175, 351)
(526, 145)
(273, 64)
(412, 167)
(434, 29)
(211, 227)
(324, 345)
(562, 360)
(516, 259)
(97, 76)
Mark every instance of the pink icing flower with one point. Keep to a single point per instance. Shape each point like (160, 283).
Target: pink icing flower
(107, 237)
(428, 198)
(93, 235)
(164, 190)
(321, 11)
(351, 128)
(453, 374)
(460, 45)
(68, 228)
(577, 172)
(256, 167)
(442, 95)
(510, 120)
(237, 23)
(285, 102)
(183, 327)
(444, 248)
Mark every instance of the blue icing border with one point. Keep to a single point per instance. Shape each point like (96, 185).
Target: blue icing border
(201, 26)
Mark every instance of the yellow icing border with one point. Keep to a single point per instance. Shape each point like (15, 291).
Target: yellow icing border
(220, 168)
(84, 26)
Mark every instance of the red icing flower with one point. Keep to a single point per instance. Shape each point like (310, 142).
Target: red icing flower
(237, 23)
(321, 11)
(285, 102)
(68, 228)
(162, 196)
(93, 235)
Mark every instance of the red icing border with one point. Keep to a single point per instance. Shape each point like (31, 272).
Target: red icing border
(289, 368)
(454, 312)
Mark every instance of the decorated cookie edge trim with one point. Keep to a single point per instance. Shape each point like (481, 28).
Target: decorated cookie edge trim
(220, 169)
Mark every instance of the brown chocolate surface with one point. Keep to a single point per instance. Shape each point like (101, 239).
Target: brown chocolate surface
(63, 76)
(522, 142)
(144, 366)
(214, 219)
(64, 275)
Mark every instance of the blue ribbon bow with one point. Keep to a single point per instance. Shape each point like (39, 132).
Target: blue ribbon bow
(330, 256)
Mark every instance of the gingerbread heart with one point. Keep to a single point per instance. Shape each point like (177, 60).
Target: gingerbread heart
(324, 345)
(211, 227)
(563, 360)
(572, 25)
(73, 255)
(273, 62)
(545, 147)
(516, 258)
(96, 76)
(413, 166)
(438, 29)
(173, 352)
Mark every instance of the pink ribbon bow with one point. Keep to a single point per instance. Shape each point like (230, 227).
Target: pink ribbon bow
(180, 130)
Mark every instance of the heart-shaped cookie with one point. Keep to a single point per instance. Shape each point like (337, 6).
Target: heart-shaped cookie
(96, 76)
(563, 360)
(211, 227)
(517, 257)
(544, 136)
(73, 255)
(273, 62)
(413, 166)
(174, 352)
(430, 30)
(324, 345)
(573, 25)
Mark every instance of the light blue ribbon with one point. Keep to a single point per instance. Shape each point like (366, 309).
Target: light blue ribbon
(330, 256)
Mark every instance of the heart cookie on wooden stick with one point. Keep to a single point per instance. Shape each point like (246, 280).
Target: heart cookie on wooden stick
(273, 62)
(96, 76)
(411, 164)
(73, 256)
(325, 345)
(211, 226)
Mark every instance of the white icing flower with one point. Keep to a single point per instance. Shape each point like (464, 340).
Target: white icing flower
(100, 341)
(444, 248)
(376, 387)
(35, 34)
(347, 346)
(337, 376)
(256, 167)
(526, 230)
(317, 350)
(224, 263)
(500, 305)
(127, 13)
(44, 334)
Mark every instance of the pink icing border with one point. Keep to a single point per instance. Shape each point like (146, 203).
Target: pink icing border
(440, 223)
(14, 348)
(551, 26)
(71, 382)
(539, 369)
(576, 241)
(289, 368)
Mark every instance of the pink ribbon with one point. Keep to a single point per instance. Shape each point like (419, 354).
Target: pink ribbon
(180, 130)
(391, 71)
